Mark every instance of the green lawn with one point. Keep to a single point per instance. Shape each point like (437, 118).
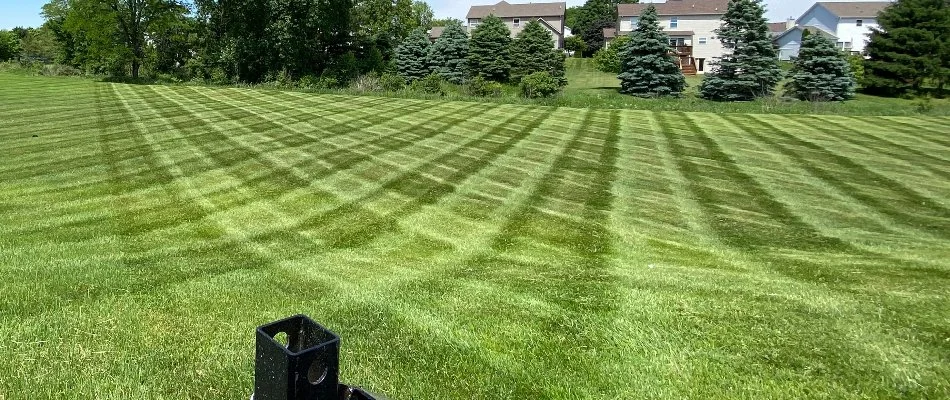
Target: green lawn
(467, 250)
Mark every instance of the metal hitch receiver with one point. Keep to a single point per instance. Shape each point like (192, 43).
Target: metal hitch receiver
(298, 359)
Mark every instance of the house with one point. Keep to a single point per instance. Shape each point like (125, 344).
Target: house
(847, 23)
(690, 25)
(516, 16)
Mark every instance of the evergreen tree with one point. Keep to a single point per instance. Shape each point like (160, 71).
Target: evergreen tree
(751, 68)
(411, 56)
(648, 69)
(533, 51)
(821, 72)
(447, 57)
(911, 45)
(489, 50)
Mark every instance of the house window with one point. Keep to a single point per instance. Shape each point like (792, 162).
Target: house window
(702, 40)
(517, 22)
(634, 21)
(674, 23)
(860, 22)
(474, 22)
(847, 45)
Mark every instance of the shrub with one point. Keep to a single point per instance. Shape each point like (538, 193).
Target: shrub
(318, 83)
(431, 84)
(392, 82)
(924, 105)
(857, 66)
(607, 59)
(539, 84)
(481, 87)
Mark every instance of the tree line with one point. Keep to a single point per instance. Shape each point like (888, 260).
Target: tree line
(909, 50)
(530, 60)
(225, 40)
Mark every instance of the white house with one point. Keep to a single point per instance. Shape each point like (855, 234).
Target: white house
(690, 25)
(847, 23)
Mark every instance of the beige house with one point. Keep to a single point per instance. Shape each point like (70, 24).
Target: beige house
(690, 25)
(516, 16)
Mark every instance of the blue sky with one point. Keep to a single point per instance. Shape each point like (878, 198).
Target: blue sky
(27, 12)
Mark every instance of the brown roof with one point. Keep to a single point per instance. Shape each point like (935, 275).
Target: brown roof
(436, 32)
(677, 7)
(855, 9)
(610, 33)
(505, 10)
(778, 27)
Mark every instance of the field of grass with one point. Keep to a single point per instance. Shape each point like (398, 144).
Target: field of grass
(467, 250)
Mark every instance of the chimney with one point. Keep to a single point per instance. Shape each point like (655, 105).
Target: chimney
(790, 23)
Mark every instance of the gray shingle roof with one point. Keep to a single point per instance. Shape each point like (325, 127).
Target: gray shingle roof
(506, 10)
(856, 9)
(677, 7)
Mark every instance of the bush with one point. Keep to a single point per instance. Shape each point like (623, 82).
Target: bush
(431, 84)
(857, 66)
(392, 82)
(481, 87)
(318, 83)
(607, 59)
(539, 84)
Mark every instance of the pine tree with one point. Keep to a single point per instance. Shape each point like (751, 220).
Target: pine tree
(411, 56)
(647, 68)
(533, 51)
(911, 45)
(447, 57)
(489, 50)
(751, 69)
(821, 72)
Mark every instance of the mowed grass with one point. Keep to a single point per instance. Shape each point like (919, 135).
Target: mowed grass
(466, 250)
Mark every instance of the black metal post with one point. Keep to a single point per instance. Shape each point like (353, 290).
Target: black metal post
(298, 359)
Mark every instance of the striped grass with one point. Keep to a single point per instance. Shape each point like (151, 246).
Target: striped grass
(467, 250)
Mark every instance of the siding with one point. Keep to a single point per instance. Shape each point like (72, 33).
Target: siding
(849, 31)
(821, 18)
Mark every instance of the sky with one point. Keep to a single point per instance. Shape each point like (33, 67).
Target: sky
(27, 12)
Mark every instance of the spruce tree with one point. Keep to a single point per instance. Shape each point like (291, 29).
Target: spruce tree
(911, 45)
(411, 56)
(533, 51)
(821, 72)
(751, 68)
(647, 68)
(489, 50)
(447, 57)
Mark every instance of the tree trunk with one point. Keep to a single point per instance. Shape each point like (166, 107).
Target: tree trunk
(135, 68)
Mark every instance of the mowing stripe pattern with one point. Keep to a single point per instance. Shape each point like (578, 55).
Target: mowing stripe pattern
(467, 250)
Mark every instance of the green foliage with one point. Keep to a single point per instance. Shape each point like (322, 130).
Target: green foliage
(911, 46)
(391, 82)
(647, 68)
(856, 62)
(318, 83)
(431, 84)
(575, 45)
(411, 56)
(607, 59)
(448, 55)
(9, 45)
(533, 51)
(480, 87)
(750, 70)
(40, 44)
(489, 50)
(821, 72)
(591, 20)
(446, 21)
(539, 84)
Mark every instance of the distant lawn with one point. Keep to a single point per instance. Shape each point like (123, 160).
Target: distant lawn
(589, 87)
(467, 250)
